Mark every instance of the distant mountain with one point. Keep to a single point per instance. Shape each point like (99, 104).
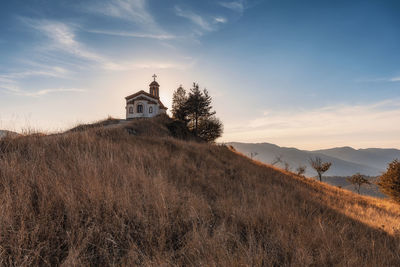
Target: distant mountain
(374, 157)
(345, 160)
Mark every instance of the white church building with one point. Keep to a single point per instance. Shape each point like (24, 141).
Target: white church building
(145, 105)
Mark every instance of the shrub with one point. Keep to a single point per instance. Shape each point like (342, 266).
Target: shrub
(389, 182)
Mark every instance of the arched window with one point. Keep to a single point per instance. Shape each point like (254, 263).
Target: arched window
(140, 108)
(150, 109)
(130, 110)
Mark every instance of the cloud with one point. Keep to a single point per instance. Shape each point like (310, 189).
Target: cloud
(395, 79)
(135, 35)
(49, 91)
(194, 18)
(9, 84)
(238, 5)
(386, 79)
(124, 66)
(355, 125)
(14, 89)
(63, 38)
(220, 20)
(57, 72)
(132, 10)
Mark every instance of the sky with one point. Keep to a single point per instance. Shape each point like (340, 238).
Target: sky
(306, 74)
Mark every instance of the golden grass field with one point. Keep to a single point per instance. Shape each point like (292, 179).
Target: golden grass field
(104, 196)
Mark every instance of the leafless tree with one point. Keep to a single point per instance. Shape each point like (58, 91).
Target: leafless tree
(287, 166)
(253, 154)
(276, 160)
(358, 180)
(301, 170)
(319, 166)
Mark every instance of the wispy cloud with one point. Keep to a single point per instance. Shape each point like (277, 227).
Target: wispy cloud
(10, 82)
(135, 35)
(50, 91)
(63, 38)
(57, 72)
(194, 18)
(124, 66)
(238, 5)
(132, 10)
(386, 79)
(395, 79)
(220, 20)
(14, 89)
(358, 125)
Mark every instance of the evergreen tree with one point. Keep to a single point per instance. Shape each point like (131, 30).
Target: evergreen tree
(179, 99)
(195, 111)
(198, 106)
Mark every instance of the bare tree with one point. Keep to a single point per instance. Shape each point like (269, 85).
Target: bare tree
(287, 166)
(301, 170)
(319, 166)
(358, 180)
(253, 154)
(276, 160)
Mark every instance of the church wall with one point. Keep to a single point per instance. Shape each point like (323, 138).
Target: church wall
(145, 113)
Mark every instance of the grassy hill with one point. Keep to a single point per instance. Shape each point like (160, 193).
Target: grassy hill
(131, 194)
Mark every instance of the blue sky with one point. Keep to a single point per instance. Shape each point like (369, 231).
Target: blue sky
(309, 74)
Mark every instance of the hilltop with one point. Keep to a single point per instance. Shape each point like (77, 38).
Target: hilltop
(146, 192)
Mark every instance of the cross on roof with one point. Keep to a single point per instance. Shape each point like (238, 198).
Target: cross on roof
(154, 76)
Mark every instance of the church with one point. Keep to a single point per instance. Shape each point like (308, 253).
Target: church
(145, 105)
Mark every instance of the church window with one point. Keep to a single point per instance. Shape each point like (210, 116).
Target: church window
(150, 109)
(140, 108)
(130, 110)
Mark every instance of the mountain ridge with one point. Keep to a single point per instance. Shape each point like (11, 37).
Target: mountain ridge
(345, 160)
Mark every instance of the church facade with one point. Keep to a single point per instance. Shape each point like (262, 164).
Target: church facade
(145, 105)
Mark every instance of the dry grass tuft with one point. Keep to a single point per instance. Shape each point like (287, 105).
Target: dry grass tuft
(133, 195)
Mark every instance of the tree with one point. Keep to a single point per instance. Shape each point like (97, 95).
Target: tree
(276, 160)
(389, 182)
(209, 129)
(301, 170)
(287, 166)
(198, 106)
(179, 99)
(358, 180)
(319, 166)
(253, 154)
(195, 110)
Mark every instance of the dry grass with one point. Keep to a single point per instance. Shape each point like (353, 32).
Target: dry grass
(103, 196)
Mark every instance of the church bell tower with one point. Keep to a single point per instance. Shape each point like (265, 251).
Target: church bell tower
(154, 87)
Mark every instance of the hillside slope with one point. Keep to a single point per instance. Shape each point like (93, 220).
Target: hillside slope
(133, 195)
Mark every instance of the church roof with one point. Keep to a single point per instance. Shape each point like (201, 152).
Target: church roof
(154, 83)
(143, 99)
(141, 92)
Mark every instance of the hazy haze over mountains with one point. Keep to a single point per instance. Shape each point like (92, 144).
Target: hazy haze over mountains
(345, 160)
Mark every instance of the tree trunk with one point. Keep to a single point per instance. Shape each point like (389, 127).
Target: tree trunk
(196, 124)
